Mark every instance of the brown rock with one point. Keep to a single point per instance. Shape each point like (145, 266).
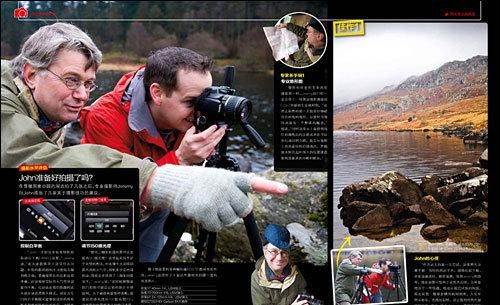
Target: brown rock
(355, 210)
(436, 213)
(415, 209)
(430, 184)
(483, 160)
(434, 232)
(388, 189)
(409, 222)
(476, 187)
(377, 219)
(477, 218)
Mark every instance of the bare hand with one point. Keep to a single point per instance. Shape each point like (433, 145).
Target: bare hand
(297, 302)
(196, 147)
(281, 25)
(262, 185)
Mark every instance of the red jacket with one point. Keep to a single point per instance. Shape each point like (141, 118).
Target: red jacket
(375, 281)
(106, 122)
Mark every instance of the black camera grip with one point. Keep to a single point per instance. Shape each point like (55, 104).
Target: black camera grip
(253, 135)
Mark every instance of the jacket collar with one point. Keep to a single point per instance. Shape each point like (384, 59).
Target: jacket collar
(275, 284)
(139, 117)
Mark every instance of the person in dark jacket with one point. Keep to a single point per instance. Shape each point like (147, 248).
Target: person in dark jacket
(312, 48)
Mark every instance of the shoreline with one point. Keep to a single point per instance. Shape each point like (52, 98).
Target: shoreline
(467, 134)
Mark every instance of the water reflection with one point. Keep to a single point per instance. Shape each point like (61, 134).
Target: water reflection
(359, 156)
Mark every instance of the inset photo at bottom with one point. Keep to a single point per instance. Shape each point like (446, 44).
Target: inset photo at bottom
(371, 275)
(46, 220)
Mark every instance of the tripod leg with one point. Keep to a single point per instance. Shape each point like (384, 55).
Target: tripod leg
(200, 245)
(173, 228)
(253, 236)
(212, 241)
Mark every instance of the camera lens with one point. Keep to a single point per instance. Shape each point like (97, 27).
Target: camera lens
(237, 108)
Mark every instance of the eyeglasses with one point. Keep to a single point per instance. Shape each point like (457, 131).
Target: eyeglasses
(74, 83)
(274, 253)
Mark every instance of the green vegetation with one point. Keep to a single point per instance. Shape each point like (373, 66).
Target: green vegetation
(135, 33)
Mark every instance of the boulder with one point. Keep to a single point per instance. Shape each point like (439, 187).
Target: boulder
(355, 210)
(478, 218)
(476, 187)
(431, 183)
(415, 210)
(409, 221)
(463, 208)
(375, 220)
(436, 213)
(467, 174)
(434, 232)
(483, 160)
(390, 188)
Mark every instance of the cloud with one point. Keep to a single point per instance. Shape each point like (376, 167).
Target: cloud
(391, 52)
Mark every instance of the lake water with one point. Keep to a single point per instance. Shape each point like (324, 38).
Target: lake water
(257, 87)
(359, 156)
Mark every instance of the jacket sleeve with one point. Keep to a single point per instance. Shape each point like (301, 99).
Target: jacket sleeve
(168, 158)
(349, 269)
(297, 30)
(101, 129)
(259, 295)
(387, 284)
(23, 142)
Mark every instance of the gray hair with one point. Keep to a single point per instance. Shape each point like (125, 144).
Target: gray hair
(355, 254)
(41, 49)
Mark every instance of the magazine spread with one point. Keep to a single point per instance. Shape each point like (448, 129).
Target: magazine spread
(240, 152)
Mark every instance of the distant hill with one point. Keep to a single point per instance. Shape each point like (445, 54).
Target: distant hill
(455, 94)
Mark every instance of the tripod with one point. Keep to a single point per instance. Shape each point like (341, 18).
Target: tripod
(361, 287)
(400, 287)
(174, 225)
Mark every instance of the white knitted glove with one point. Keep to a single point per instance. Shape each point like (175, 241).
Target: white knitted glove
(212, 197)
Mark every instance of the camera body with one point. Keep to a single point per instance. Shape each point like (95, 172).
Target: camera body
(364, 271)
(218, 105)
(394, 268)
(310, 299)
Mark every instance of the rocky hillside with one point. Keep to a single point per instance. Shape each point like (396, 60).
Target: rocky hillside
(455, 94)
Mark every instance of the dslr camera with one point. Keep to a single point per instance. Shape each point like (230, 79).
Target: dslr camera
(310, 299)
(394, 267)
(218, 105)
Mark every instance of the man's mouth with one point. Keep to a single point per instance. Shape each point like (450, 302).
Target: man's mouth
(73, 108)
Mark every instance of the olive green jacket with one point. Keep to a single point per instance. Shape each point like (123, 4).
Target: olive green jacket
(345, 281)
(305, 55)
(23, 142)
(265, 292)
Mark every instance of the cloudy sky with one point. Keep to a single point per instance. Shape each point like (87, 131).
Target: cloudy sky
(391, 52)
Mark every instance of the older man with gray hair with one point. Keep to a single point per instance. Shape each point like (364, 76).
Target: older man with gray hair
(46, 86)
(346, 277)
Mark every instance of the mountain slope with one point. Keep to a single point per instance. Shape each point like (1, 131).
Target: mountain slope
(454, 94)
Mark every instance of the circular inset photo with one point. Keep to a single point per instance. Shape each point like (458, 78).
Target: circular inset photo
(310, 36)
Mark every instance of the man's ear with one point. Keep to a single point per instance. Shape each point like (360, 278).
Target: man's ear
(155, 91)
(29, 75)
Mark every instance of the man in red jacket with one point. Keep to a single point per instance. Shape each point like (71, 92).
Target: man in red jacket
(150, 111)
(150, 114)
(375, 281)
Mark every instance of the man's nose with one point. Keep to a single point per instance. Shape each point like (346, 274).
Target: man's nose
(81, 93)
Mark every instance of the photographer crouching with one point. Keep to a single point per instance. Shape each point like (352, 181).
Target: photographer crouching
(375, 281)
